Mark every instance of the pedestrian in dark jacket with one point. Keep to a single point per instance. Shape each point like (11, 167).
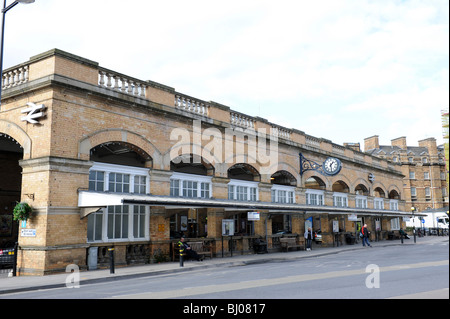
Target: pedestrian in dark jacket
(365, 238)
(188, 251)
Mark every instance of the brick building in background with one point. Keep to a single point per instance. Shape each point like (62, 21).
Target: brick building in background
(425, 181)
(108, 160)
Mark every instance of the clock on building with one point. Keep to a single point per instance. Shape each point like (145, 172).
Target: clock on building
(332, 166)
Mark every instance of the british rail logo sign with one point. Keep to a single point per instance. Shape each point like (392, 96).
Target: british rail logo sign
(34, 112)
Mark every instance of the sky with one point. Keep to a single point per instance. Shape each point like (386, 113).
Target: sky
(342, 70)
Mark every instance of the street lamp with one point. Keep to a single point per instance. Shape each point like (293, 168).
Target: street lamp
(413, 210)
(4, 10)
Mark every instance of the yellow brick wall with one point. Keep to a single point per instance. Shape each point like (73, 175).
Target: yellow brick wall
(57, 150)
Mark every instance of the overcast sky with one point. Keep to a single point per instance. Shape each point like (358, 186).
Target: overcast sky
(337, 69)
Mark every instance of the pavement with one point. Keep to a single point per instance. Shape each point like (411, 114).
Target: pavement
(30, 283)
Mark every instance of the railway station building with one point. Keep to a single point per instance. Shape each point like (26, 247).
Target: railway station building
(108, 160)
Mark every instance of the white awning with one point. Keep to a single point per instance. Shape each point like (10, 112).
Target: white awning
(91, 199)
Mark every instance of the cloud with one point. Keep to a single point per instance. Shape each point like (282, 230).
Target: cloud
(302, 62)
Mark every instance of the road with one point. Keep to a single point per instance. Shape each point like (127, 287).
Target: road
(410, 271)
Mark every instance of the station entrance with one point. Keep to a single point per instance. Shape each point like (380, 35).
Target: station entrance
(10, 188)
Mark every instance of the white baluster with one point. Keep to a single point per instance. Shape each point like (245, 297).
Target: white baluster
(130, 87)
(123, 87)
(21, 75)
(10, 79)
(101, 80)
(108, 80)
(143, 89)
(116, 83)
(25, 73)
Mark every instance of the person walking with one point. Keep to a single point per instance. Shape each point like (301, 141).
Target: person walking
(308, 237)
(365, 237)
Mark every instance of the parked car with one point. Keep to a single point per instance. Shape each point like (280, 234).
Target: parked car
(318, 236)
(6, 257)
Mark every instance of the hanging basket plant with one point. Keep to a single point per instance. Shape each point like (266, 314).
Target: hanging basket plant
(22, 211)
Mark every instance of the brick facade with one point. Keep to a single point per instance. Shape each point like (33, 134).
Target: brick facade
(93, 113)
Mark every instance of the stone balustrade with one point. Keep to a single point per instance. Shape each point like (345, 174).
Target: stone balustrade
(312, 141)
(338, 149)
(15, 76)
(121, 83)
(282, 132)
(242, 120)
(191, 105)
(107, 81)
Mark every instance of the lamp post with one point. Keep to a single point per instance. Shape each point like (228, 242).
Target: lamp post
(413, 210)
(4, 10)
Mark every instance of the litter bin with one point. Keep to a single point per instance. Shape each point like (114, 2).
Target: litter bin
(92, 258)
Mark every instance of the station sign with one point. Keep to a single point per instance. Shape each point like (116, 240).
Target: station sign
(28, 232)
(253, 216)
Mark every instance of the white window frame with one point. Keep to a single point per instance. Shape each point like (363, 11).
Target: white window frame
(395, 223)
(315, 195)
(122, 169)
(378, 203)
(107, 169)
(130, 229)
(248, 191)
(393, 204)
(183, 180)
(360, 201)
(283, 194)
(342, 197)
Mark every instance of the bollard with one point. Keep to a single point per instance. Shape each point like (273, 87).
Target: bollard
(181, 257)
(401, 238)
(111, 260)
(16, 246)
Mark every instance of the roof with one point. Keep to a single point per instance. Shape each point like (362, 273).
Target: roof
(390, 150)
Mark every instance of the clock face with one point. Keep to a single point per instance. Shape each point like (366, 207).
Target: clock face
(332, 166)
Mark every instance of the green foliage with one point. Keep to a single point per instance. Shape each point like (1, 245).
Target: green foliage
(22, 211)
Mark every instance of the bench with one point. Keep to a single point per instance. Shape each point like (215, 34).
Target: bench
(198, 246)
(290, 242)
(259, 246)
(350, 239)
(392, 235)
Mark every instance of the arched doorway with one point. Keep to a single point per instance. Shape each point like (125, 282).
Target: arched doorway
(11, 152)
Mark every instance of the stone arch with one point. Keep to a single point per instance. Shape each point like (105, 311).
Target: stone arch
(186, 162)
(315, 182)
(118, 135)
(380, 191)
(246, 169)
(284, 166)
(283, 177)
(362, 188)
(340, 186)
(17, 133)
(394, 193)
